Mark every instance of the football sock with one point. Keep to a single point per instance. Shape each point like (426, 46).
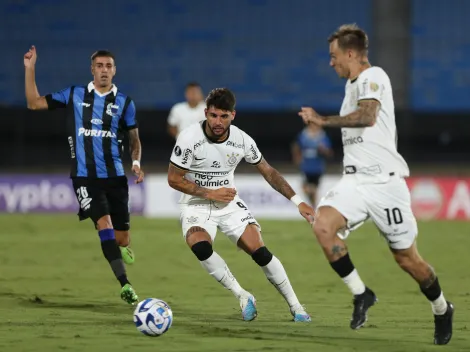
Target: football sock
(276, 274)
(113, 255)
(345, 269)
(434, 294)
(218, 269)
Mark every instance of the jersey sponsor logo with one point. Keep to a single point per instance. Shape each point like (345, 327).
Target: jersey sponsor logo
(96, 133)
(199, 144)
(186, 155)
(112, 109)
(87, 105)
(235, 145)
(249, 217)
(374, 86)
(254, 153)
(232, 159)
(353, 140)
(216, 164)
(204, 180)
(97, 121)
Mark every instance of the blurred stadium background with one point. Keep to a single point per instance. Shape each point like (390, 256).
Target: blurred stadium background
(274, 55)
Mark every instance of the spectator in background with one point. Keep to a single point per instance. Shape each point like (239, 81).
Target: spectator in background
(186, 113)
(309, 151)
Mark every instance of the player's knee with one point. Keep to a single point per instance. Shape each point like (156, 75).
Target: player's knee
(203, 250)
(104, 223)
(262, 256)
(322, 228)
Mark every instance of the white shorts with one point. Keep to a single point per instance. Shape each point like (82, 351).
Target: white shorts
(231, 219)
(388, 205)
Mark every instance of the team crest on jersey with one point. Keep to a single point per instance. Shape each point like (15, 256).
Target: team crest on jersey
(232, 159)
(112, 109)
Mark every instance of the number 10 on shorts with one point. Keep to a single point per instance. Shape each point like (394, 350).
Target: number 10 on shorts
(395, 215)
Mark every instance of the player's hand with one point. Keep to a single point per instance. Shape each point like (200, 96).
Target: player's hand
(223, 194)
(307, 212)
(30, 57)
(311, 116)
(139, 173)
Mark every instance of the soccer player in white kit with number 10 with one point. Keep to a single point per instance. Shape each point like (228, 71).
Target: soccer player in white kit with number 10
(373, 184)
(202, 167)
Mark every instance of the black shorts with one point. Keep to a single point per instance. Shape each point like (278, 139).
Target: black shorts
(103, 196)
(312, 179)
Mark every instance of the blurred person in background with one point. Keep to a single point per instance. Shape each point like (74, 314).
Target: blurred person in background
(188, 112)
(309, 152)
(373, 184)
(97, 115)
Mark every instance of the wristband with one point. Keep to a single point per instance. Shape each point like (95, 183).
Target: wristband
(136, 163)
(296, 200)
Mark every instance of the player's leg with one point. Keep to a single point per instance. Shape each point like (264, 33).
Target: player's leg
(118, 200)
(93, 204)
(242, 229)
(252, 243)
(199, 237)
(339, 212)
(390, 208)
(310, 187)
(423, 273)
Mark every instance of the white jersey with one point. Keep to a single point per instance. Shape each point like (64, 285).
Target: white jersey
(372, 150)
(182, 115)
(212, 164)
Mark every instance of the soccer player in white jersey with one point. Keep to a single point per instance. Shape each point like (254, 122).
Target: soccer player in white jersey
(202, 167)
(373, 184)
(186, 113)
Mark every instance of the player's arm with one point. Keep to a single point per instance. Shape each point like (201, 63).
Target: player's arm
(172, 123)
(135, 147)
(364, 116)
(33, 99)
(296, 153)
(279, 183)
(178, 181)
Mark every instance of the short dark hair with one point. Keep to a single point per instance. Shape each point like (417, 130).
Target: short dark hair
(193, 85)
(102, 53)
(350, 36)
(221, 98)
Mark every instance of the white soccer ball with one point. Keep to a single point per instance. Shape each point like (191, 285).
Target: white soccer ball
(153, 317)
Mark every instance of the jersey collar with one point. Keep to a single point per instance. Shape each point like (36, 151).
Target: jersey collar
(91, 87)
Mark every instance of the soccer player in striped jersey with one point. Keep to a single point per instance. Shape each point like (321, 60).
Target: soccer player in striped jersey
(98, 115)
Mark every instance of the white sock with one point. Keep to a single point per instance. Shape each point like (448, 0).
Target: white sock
(354, 282)
(218, 269)
(277, 275)
(439, 306)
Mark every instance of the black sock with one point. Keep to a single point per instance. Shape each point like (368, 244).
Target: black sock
(433, 291)
(343, 266)
(113, 255)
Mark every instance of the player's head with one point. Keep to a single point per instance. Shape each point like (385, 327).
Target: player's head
(220, 111)
(103, 67)
(193, 93)
(348, 47)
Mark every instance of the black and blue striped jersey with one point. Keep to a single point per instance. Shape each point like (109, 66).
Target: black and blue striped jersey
(96, 124)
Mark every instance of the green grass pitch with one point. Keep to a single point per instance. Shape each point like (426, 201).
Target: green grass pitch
(57, 292)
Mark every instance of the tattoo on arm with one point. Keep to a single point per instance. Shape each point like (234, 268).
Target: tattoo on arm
(364, 116)
(177, 181)
(134, 144)
(275, 179)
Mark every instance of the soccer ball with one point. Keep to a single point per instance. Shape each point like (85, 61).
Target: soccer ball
(153, 317)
